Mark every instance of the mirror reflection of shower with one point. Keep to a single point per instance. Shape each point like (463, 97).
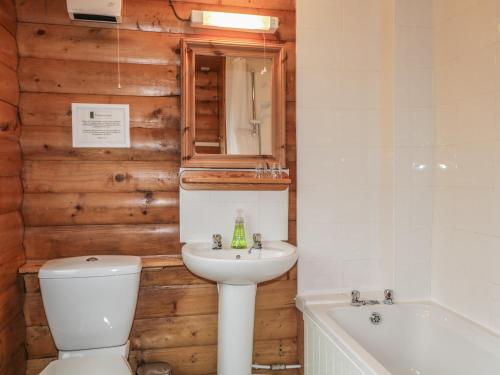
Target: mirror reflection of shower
(254, 122)
(233, 105)
(248, 106)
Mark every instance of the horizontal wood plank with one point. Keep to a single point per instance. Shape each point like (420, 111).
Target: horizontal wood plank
(151, 275)
(181, 358)
(85, 77)
(182, 331)
(67, 241)
(99, 177)
(148, 261)
(202, 329)
(171, 301)
(200, 360)
(165, 276)
(100, 208)
(43, 109)
(55, 143)
(97, 44)
(161, 270)
(154, 16)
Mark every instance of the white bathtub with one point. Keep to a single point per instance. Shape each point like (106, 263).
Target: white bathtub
(412, 339)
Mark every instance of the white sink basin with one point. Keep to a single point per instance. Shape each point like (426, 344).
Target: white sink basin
(237, 273)
(239, 267)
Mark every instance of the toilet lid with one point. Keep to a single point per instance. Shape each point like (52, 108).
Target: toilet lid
(92, 365)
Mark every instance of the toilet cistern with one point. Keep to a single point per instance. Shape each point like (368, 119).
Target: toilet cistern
(90, 306)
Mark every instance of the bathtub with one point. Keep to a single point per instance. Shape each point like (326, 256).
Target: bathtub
(411, 339)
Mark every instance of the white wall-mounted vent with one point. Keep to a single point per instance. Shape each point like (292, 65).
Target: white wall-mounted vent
(95, 10)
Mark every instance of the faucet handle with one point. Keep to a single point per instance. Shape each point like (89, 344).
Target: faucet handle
(355, 294)
(216, 242)
(355, 301)
(388, 296)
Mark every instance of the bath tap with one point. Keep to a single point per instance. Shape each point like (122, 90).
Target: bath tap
(216, 242)
(355, 301)
(388, 295)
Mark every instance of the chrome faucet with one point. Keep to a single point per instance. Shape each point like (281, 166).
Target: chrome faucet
(216, 242)
(355, 301)
(257, 243)
(388, 296)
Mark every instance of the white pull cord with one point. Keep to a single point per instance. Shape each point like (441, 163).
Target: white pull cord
(118, 56)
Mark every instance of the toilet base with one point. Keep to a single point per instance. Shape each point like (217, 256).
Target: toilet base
(122, 350)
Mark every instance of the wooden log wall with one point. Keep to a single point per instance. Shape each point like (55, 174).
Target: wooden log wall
(125, 201)
(12, 327)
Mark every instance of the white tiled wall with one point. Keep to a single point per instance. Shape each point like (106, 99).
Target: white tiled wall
(365, 135)
(407, 190)
(345, 151)
(414, 136)
(204, 213)
(466, 231)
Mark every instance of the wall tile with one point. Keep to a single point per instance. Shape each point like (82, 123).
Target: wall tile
(344, 164)
(204, 213)
(466, 225)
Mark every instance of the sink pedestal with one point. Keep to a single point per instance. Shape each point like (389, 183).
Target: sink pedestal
(236, 321)
(237, 273)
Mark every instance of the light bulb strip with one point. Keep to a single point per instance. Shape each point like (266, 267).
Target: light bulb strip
(234, 21)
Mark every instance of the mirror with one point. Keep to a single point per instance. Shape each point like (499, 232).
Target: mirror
(233, 104)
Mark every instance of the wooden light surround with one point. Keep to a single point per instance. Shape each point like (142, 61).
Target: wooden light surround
(193, 47)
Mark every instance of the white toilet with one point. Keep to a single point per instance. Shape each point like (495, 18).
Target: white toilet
(90, 305)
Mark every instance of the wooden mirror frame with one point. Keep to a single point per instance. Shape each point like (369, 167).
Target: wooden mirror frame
(193, 47)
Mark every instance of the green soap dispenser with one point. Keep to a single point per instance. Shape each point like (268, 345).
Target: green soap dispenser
(239, 238)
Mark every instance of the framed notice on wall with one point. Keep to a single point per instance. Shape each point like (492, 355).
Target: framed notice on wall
(101, 125)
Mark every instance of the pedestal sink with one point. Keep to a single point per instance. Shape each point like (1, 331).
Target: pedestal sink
(237, 273)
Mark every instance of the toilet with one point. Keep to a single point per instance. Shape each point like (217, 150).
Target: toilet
(90, 305)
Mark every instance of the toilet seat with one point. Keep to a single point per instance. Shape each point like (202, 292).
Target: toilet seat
(91, 365)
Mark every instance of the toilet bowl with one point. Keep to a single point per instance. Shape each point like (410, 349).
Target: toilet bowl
(90, 305)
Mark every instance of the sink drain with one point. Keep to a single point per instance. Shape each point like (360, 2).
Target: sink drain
(375, 318)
